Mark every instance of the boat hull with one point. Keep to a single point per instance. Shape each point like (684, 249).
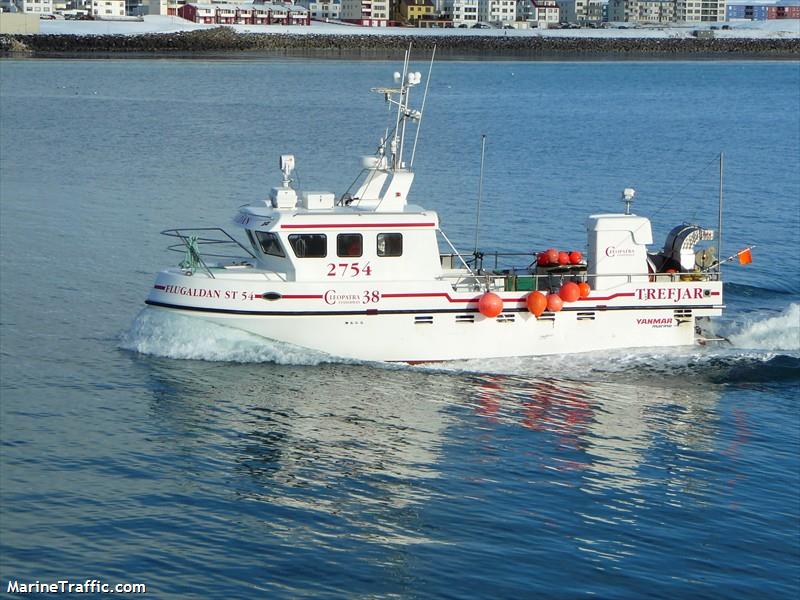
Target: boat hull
(402, 323)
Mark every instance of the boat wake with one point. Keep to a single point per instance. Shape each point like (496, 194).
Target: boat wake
(761, 348)
(172, 335)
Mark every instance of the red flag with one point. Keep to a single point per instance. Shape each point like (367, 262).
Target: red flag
(745, 256)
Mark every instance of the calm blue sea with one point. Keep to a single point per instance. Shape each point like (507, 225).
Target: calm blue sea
(205, 463)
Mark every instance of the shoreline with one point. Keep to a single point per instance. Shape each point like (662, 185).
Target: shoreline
(223, 42)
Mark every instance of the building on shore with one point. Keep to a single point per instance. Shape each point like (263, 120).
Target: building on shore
(582, 12)
(107, 9)
(37, 7)
(463, 13)
(694, 11)
(257, 13)
(322, 10)
(498, 12)
(641, 11)
(412, 11)
(370, 13)
(538, 13)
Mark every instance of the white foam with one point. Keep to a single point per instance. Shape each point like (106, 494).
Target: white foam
(172, 335)
(780, 332)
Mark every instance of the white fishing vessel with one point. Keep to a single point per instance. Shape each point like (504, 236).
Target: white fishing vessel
(362, 276)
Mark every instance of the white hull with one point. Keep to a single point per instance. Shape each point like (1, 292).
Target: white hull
(415, 324)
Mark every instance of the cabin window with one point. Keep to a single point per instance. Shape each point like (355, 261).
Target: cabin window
(349, 244)
(390, 244)
(269, 243)
(309, 245)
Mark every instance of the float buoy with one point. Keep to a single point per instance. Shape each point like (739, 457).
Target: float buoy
(554, 303)
(537, 303)
(552, 256)
(569, 292)
(563, 258)
(575, 257)
(490, 305)
(542, 260)
(584, 289)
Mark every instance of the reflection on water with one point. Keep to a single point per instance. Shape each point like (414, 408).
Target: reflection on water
(328, 440)
(628, 445)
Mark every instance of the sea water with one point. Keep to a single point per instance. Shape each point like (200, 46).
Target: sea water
(141, 447)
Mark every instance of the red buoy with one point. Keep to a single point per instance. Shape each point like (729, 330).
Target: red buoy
(575, 257)
(542, 260)
(569, 292)
(554, 302)
(537, 303)
(490, 305)
(563, 258)
(585, 289)
(552, 256)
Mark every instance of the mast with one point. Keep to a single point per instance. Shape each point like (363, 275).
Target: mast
(719, 226)
(480, 194)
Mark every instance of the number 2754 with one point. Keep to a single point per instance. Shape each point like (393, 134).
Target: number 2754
(349, 269)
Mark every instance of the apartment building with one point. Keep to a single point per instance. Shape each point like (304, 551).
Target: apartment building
(461, 12)
(641, 11)
(411, 11)
(322, 9)
(39, 7)
(581, 11)
(370, 13)
(697, 11)
(497, 11)
(544, 13)
(107, 8)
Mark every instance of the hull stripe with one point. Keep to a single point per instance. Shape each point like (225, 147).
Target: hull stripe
(415, 311)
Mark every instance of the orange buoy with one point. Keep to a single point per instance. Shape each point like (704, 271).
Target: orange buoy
(554, 302)
(584, 288)
(575, 257)
(542, 259)
(552, 256)
(490, 305)
(569, 292)
(537, 303)
(563, 258)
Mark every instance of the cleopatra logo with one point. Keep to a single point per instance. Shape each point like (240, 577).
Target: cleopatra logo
(613, 251)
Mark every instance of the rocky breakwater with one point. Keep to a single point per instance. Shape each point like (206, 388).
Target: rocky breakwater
(225, 39)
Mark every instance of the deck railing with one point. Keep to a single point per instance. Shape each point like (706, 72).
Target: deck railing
(193, 239)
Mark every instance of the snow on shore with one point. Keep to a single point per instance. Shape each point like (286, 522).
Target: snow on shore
(775, 29)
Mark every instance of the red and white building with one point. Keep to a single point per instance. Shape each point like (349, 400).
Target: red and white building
(245, 14)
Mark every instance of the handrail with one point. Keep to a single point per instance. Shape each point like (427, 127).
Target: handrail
(179, 233)
(190, 242)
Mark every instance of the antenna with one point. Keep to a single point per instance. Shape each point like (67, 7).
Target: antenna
(719, 229)
(422, 110)
(480, 193)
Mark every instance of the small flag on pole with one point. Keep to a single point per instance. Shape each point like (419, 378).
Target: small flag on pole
(745, 256)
